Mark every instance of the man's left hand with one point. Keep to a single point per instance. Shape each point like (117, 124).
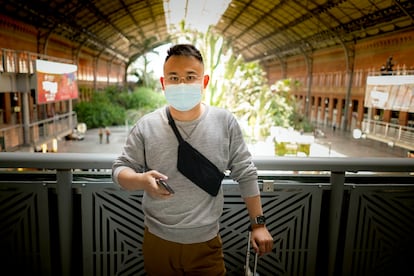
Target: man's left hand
(261, 240)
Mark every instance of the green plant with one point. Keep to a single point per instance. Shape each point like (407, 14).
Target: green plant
(99, 112)
(113, 106)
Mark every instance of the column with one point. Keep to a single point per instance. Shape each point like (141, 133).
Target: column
(403, 118)
(360, 117)
(387, 116)
(339, 107)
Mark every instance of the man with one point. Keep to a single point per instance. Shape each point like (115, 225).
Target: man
(181, 228)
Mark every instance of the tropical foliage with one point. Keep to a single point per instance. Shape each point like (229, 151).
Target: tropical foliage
(115, 106)
(145, 77)
(241, 87)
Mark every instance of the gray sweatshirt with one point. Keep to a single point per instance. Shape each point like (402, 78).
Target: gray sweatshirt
(191, 215)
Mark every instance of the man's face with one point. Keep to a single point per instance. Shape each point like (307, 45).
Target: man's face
(183, 69)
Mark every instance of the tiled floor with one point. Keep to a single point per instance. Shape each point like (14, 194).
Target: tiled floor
(334, 144)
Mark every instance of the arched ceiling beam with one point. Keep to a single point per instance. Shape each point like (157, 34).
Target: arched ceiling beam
(282, 30)
(349, 57)
(133, 19)
(279, 31)
(278, 28)
(52, 22)
(101, 17)
(293, 47)
(408, 13)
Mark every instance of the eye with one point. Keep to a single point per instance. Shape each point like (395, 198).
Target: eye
(173, 78)
(190, 78)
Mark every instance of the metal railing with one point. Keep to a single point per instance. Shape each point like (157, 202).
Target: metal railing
(10, 137)
(57, 126)
(60, 214)
(392, 134)
(23, 62)
(40, 131)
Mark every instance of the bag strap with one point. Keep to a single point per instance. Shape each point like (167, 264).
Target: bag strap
(173, 126)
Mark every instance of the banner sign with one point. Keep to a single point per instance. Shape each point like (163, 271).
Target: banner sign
(390, 92)
(55, 81)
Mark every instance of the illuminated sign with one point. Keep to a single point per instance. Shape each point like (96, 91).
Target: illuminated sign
(55, 81)
(390, 92)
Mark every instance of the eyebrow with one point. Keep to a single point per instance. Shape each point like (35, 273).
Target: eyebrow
(191, 72)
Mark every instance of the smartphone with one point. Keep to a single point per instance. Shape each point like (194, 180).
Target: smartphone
(163, 184)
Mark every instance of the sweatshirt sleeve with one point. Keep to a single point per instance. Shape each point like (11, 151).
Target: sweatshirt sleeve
(242, 168)
(132, 156)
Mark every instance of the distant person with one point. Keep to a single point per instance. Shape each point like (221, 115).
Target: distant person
(100, 133)
(108, 133)
(388, 67)
(181, 234)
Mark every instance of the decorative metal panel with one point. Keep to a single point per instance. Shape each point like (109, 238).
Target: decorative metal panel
(292, 218)
(24, 232)
(113, 230)
(380, 231)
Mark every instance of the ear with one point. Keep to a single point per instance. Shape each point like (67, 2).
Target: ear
(162, 83)
(206, 80)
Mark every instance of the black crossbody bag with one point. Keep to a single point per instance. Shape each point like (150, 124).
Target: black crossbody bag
(195, 166)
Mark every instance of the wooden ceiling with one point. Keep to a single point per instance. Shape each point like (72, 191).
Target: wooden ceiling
(258, 29)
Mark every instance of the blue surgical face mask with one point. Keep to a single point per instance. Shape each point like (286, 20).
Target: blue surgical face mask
(183, 96)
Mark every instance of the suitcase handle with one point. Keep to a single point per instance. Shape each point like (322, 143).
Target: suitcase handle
(247, 271)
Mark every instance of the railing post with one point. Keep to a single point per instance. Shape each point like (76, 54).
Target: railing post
(70, 115)
(399, 133)
(335, 211)
(65, 219)
(26, 112)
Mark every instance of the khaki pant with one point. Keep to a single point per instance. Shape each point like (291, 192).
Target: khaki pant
(166, 258)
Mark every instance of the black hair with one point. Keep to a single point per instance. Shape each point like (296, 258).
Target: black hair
(184, 50)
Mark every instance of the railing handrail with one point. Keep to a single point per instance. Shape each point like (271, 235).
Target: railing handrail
(67, 161)
(392, 125)
(64, 163)
(395, 72)
(36, 55)
(10, 127)
(54, 118)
